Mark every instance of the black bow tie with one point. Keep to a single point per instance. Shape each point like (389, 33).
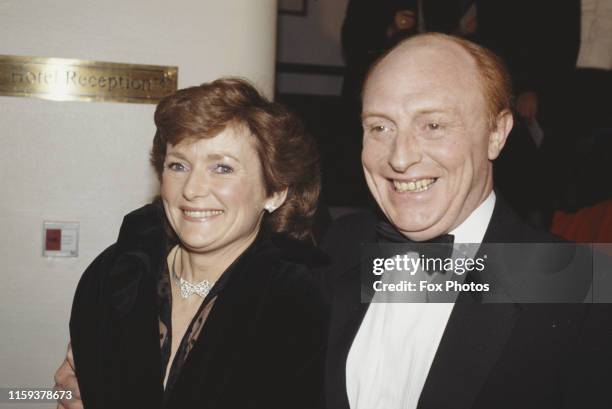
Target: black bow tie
(438, 247)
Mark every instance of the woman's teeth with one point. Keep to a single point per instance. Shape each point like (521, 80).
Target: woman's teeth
(413, 186)
(201, 214)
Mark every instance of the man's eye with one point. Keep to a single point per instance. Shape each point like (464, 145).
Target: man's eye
(222, 169)
(378, 128)
(177, 167)
(433, 126)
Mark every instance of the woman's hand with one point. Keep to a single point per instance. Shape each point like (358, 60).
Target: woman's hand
(65, 379)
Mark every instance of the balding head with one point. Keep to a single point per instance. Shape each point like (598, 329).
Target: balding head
(492, 75)
(432, 126)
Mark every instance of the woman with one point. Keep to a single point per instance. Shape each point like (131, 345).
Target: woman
(206, 299)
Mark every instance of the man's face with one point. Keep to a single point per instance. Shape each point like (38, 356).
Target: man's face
(427, 143)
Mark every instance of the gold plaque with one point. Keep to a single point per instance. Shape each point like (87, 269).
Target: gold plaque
(61, 79)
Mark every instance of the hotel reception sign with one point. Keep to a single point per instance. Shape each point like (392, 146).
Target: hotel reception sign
(63, 79)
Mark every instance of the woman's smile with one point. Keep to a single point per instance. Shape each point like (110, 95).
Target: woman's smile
(200, 215)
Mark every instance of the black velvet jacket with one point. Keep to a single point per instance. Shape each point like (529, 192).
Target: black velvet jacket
(262, 346)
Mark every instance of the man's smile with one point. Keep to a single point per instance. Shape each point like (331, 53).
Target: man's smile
(414, 185)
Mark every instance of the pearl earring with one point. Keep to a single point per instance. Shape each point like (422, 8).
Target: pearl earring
(270, 208)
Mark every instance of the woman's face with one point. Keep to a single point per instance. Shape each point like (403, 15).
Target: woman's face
(213, 191)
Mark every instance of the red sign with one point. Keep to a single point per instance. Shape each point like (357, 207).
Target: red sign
(53, 240)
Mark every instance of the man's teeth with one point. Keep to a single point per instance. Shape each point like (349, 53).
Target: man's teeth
(413, 186)
(201, 214)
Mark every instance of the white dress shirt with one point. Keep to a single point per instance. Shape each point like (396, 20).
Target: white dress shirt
(396, 343)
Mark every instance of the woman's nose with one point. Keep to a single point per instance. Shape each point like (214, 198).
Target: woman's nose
(197, 185)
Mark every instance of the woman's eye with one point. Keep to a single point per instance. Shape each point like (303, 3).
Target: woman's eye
(177, 167)
(433, 126)
(223, 169)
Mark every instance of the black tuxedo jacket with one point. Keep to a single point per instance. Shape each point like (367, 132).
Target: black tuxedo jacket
(491, 355)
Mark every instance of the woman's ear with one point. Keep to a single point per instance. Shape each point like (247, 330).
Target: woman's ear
(276, 200)
(497, 137)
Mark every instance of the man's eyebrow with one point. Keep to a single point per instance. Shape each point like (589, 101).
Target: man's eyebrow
(428, 111)
(367, 114)
(424, 111)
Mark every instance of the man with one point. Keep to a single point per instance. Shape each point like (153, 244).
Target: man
(436, 113)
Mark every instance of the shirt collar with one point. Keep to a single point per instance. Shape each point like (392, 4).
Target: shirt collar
(473, 229)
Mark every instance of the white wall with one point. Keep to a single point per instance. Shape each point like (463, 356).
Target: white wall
(312, 39)
(88, 162)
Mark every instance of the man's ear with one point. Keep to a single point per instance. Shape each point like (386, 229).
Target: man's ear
(497, 137)
(276, 200)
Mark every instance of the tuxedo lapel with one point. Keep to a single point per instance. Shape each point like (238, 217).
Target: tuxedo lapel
(475, 335)
(473, 340)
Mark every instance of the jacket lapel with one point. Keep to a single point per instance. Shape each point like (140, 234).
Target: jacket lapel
(474, 337)
(473, 340)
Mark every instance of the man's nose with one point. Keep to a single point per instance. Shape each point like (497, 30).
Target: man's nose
(405, 152)
(197, 184)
